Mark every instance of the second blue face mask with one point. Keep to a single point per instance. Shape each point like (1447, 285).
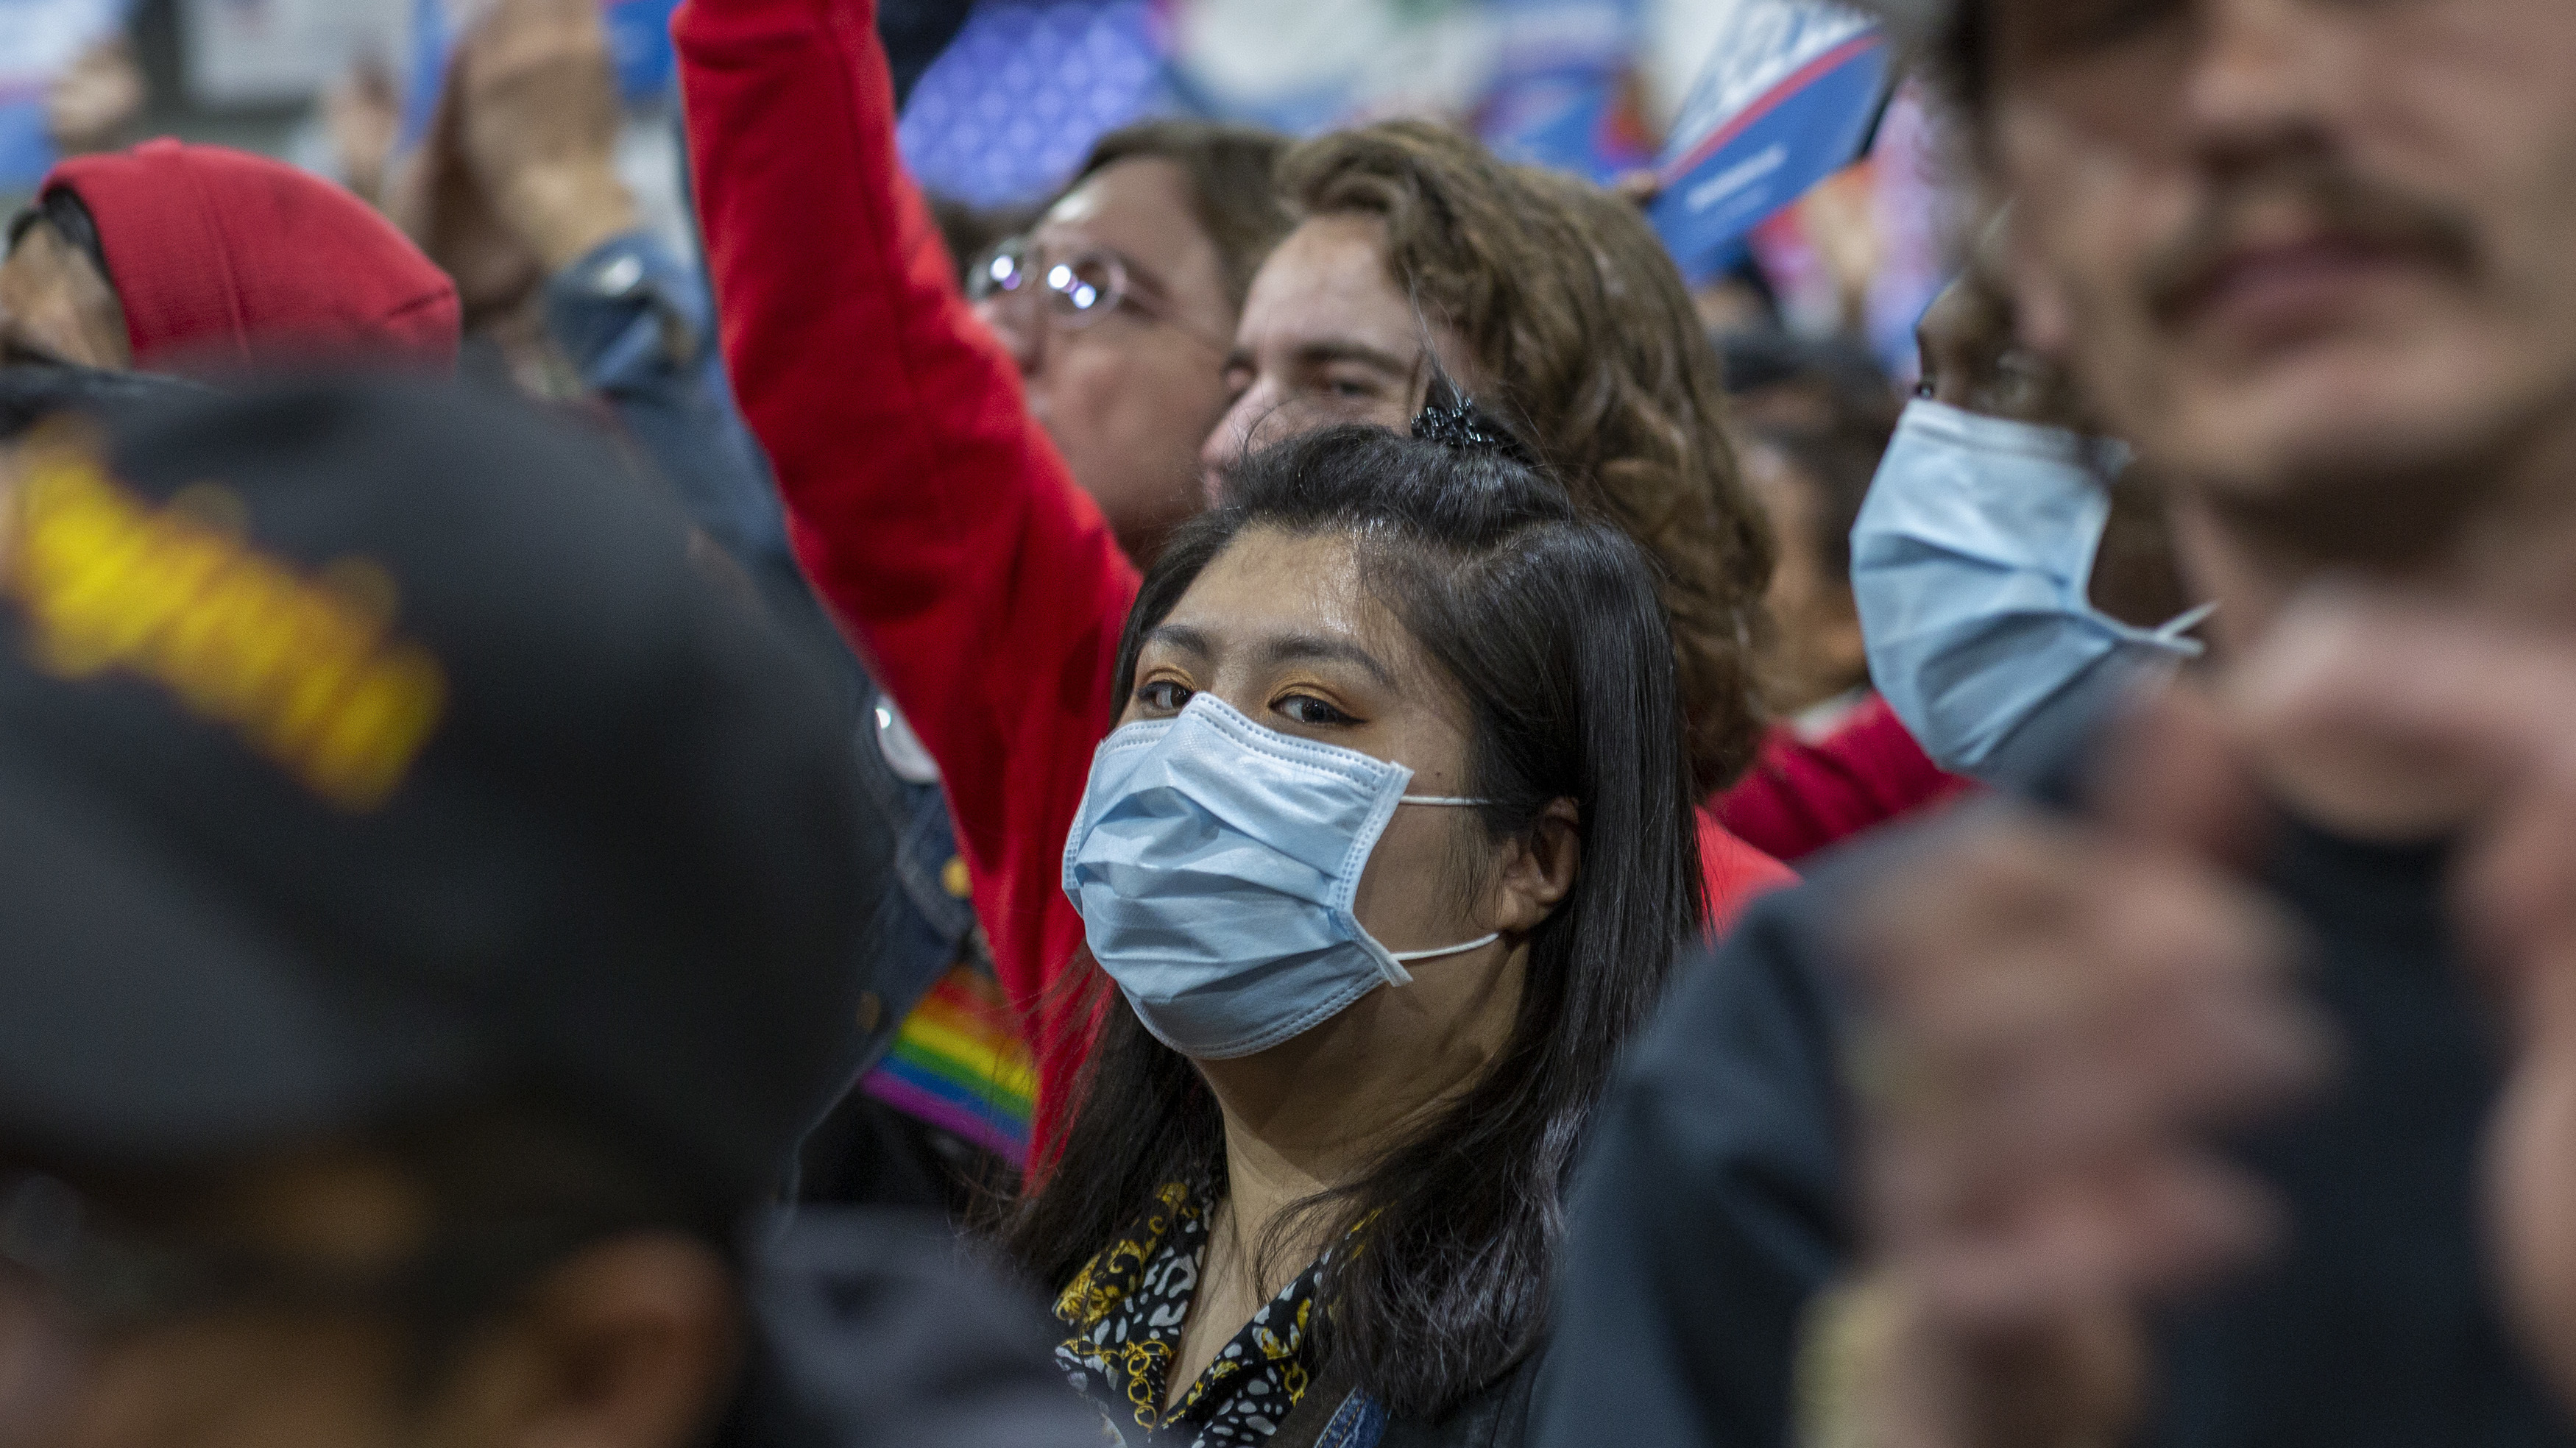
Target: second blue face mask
(1970, 565)
(1214, 863)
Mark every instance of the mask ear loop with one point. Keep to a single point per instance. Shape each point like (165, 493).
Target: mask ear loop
(1479, 942)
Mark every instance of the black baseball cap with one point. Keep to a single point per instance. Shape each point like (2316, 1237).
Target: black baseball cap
(368, 747)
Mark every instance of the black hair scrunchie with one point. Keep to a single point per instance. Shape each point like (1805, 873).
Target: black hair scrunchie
(1453, 420)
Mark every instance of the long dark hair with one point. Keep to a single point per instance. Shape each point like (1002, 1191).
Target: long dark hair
(1552, 630)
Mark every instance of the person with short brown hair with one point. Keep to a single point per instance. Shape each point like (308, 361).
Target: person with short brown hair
(1480, 272)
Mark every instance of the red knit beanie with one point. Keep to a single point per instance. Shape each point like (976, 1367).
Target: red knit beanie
(227, 260)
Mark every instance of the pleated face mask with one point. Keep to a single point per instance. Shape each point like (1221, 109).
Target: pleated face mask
(1969, 565)
(1214, 863)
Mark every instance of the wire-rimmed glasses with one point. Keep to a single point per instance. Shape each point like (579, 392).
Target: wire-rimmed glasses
(1077, 289)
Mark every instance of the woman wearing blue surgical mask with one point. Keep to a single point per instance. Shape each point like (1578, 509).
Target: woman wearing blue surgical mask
(1388, 854)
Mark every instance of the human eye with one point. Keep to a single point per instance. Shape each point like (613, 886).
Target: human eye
(1308, 710)
(1352, 387)
(1163, 696)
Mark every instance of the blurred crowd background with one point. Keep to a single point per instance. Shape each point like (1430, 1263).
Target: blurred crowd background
(1003, 98)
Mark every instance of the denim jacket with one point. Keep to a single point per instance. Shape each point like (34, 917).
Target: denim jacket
(639, 324)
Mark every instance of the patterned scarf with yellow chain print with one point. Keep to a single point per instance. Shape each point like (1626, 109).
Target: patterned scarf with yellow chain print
(1126, 1309)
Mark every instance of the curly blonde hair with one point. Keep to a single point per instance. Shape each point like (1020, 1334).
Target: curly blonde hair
(1587, 345)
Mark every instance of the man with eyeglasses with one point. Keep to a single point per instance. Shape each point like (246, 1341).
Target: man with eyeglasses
(1119, 309)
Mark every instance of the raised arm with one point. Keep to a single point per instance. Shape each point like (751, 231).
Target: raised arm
(929, 510)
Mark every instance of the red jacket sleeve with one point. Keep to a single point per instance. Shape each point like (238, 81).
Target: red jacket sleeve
(929, 510)
(1800, 797)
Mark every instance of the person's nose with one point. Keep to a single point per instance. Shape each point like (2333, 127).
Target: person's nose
(1232, 436)
(1023, 334)
(2254, 74)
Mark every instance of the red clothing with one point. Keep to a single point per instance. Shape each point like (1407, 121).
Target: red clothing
(1735, 871)
(1801, 797)
(926, 505)
(225, 260)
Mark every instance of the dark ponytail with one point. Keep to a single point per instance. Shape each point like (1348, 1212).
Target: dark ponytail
(1552, 629)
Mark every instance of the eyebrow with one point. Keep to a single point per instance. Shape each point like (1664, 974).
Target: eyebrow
(1344, 350)
(1325, 353)
(1312, 648)
(1182, 637)
(1286, 649)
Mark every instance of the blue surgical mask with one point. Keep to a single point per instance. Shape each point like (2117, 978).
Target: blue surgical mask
(1970, 565)
(1214, 863)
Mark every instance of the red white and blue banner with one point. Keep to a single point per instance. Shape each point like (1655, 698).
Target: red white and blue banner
(1790, 95)
(1563, 87)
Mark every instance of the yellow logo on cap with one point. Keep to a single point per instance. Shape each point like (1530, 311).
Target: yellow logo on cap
(305, 668)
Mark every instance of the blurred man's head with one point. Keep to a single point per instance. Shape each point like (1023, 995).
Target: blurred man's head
(198, 259)
(432, 905)
(1811, 484)
(1779, 382)
(1419, 252)
(56, 306)
(1119, 304)
(476, 1279)
(1815, 417)
(2291, 246)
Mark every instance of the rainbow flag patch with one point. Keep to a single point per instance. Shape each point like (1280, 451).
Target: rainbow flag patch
(959, 1064)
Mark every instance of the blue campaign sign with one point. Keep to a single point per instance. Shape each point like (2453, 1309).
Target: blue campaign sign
(26, 142)
(639, 38)
(1788, 97)
(1566, 122)
(1559, 92)
(433, 35)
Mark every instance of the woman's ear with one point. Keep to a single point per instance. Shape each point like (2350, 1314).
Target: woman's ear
(1539, 868)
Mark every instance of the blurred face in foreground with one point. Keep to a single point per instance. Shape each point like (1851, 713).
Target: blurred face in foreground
(56, 307)
(284, 1304)
(1819, 655)
(2296, 247)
